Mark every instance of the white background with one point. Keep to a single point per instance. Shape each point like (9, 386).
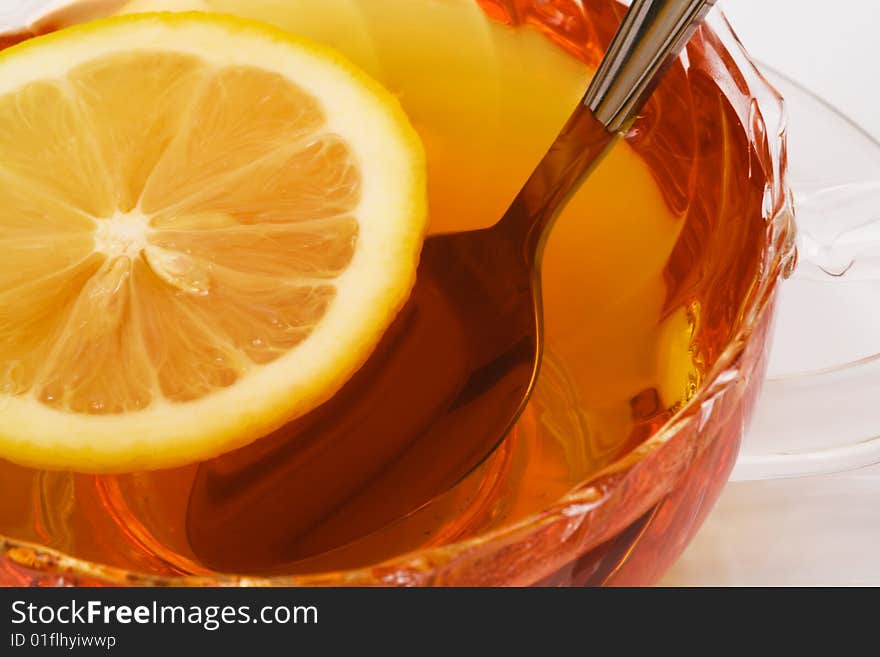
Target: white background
(831, 47)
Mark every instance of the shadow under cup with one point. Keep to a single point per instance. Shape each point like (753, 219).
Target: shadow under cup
(713, 139)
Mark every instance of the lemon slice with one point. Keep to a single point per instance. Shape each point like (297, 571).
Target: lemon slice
(340, 24)
(205, 225)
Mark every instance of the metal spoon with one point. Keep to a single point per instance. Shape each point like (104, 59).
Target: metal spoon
(456, 368)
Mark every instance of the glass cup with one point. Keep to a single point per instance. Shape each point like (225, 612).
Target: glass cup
(627, 523)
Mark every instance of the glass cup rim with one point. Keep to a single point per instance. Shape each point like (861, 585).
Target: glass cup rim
(416, 567)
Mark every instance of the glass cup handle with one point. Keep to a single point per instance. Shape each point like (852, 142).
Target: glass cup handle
(819, 410)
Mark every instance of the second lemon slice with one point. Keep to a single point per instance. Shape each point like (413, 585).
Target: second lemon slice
(206, 225)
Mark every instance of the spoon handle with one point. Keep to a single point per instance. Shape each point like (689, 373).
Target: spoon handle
(651, 36)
